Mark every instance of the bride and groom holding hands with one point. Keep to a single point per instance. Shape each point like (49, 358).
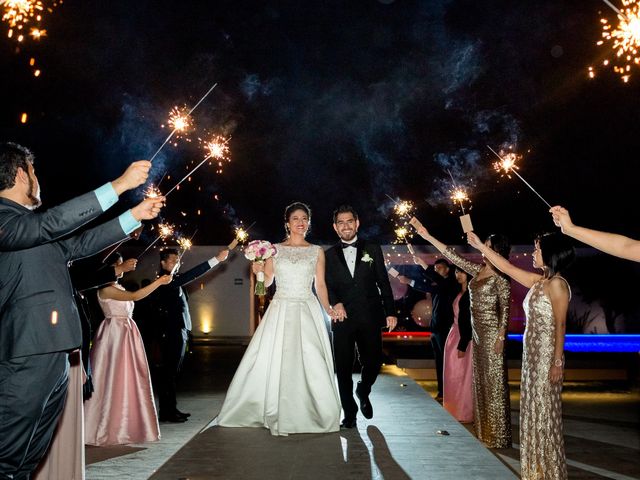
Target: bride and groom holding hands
(285, 381)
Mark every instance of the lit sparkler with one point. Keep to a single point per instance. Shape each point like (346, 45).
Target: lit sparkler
(507, 164)
(185, 243)
(152, 192)
(624, 39)
(165, 230)
(403, 211)
(241, 235)
(218, 149)
(180, 122)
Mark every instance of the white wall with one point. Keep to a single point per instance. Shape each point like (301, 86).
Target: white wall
(220, 300)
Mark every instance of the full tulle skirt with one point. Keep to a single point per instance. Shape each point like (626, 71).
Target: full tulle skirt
(285, 381)
(121, 409)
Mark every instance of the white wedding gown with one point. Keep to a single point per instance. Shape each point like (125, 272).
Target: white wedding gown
(285, 381)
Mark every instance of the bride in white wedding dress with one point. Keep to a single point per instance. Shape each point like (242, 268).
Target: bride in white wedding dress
(285, 381)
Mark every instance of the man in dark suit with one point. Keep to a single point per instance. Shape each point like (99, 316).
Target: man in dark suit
(439, 280)
(362, 304)
(39, 322)
(167, 340)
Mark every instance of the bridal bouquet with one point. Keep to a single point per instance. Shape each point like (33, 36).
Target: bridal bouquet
(259, 251)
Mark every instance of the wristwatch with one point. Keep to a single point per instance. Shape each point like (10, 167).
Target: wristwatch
(558, 362)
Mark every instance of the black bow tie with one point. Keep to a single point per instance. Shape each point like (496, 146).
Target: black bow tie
(346, 245)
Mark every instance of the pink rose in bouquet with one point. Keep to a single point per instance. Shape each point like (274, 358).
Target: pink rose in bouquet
(259, 251)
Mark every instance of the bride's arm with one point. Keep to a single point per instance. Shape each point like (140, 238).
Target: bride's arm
(320, 284)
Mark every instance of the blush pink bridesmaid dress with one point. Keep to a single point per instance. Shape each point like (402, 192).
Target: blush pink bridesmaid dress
(121, 409)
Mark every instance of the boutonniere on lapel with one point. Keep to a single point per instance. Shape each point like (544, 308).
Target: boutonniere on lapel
(366, 258)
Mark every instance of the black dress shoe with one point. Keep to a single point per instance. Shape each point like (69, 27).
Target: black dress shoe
(182, 414)
(365, 404)
(172, 418)
(348, 423)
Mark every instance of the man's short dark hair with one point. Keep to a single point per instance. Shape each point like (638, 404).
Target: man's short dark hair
(166, 252)
(12, 157)
(442, 261)
(344, 209)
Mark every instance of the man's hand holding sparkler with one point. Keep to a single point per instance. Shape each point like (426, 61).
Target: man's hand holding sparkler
(128, 265)
(418, 261)
(222, 255)
(134, 176)
(148, 209)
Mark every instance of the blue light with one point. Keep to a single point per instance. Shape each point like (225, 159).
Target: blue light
(596, 343)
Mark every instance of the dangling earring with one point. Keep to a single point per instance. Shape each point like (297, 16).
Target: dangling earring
(286, 229)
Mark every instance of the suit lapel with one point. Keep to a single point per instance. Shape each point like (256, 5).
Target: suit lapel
(360, 252)
(340, 254)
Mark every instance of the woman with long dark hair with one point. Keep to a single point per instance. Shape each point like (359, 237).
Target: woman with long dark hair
(490, 296)
(541, 442)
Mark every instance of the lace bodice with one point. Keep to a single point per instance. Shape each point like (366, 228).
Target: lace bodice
(295, 268)
(116, 308)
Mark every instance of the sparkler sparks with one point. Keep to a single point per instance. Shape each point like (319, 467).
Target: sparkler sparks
(403, 211)
(185, 243)
(623, 39)
(152, 192)
(165, 229)
(18, 14)
(459, 195)
(507, 164)
(180, 120)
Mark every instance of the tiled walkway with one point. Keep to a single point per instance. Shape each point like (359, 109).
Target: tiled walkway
(602, 437)
(400, 442)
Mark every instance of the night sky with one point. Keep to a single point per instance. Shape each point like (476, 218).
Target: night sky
(332, 102)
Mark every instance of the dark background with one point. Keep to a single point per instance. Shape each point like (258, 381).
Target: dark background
(330, 102)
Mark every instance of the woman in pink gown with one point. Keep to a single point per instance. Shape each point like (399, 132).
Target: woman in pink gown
(458, 357)
(122, 409)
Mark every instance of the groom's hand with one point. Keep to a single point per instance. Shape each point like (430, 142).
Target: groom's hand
(340, 312)
(391, 323)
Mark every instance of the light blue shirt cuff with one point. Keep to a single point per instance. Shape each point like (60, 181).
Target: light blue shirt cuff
(213, 262)
(107, 196)
(128, 222)
(412, 283)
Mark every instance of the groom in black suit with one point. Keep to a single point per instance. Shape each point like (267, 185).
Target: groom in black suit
(362, 304)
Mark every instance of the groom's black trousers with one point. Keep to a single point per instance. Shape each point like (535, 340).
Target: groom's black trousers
(33, 390)
(367, 337)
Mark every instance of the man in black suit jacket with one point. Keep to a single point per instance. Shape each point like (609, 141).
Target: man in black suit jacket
(362, 304)
(39, 322)
(438, 280)
(167, 340)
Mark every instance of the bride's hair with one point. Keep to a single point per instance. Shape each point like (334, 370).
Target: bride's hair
(292, 208)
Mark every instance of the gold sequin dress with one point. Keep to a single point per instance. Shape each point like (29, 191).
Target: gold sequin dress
(490, 300)
(542, 454)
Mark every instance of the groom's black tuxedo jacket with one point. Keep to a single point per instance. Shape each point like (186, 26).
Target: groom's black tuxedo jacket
(38, 313)
(367, 296)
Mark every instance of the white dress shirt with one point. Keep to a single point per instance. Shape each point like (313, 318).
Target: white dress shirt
(350, 255)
